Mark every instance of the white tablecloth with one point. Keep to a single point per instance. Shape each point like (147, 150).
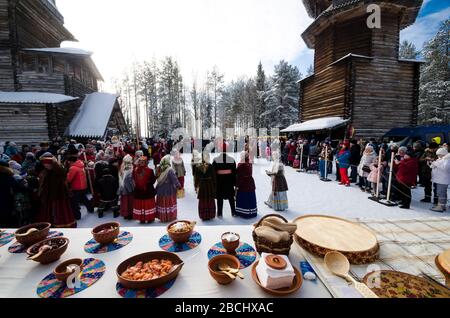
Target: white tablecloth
(19, 277)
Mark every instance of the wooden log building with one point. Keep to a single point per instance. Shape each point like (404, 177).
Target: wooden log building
(42, 85)
(358, 74)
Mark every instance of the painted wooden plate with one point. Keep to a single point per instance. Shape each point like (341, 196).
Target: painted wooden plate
(443, 261)
(391, 284)
(321, 234)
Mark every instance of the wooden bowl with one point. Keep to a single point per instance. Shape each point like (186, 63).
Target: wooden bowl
(34, 237)
(109, 236)
(182, 237)
(214, 262)
(231, 246)
(146, 257)
(61, 272)
(298, 281)
(52, 255)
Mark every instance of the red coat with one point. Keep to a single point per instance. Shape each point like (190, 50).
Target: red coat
(76, 178)
(407, 171)
(245, 181)
(292, 152)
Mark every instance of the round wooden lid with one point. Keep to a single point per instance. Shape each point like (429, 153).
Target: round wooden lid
(444, 261)
(335, 234)
(276, 262)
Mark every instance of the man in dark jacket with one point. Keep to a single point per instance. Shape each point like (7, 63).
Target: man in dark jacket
(355, 159)
(429, 155)
(107, 187)
(225, 168)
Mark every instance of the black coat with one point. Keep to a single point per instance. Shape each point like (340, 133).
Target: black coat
(107, 186)
(355, 155)
(225, 182)
(7, 186)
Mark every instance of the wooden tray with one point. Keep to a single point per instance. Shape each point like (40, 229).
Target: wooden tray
(321, 234)
(401, 285)
(298, 281)
(443, 262)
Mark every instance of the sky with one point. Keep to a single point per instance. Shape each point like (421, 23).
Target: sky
(233, 35)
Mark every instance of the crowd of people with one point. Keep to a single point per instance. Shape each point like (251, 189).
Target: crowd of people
(371, 164)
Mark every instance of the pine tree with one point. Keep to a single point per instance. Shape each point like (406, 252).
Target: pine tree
(261, 86)
(408, 51)
(434, 105)
(310, 70)
(282, 96)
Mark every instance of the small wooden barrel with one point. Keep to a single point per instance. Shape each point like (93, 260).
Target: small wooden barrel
(319, 234)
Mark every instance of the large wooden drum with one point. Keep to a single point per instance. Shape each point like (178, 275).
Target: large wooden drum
(321, 234)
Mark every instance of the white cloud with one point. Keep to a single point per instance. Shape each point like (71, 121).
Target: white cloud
(425, 27)
(232, 34)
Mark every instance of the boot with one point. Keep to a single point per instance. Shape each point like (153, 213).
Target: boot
(426, 200)
(439, 208)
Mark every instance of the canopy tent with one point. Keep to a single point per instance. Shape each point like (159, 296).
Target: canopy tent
(327, 123)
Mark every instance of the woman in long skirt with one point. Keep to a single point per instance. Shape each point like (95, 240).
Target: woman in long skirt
(246, 205)
(54, 195)
(278, 199)
(126, 188)
(180, 171)
(144, 192)
(168, 184)
(205, 185)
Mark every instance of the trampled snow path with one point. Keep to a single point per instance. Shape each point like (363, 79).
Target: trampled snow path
(307, 195)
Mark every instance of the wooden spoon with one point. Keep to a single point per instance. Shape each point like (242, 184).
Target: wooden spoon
(339, 265)
(43, 249)
(234, 271)
(228, 274)
(32, 230)
(175, 268)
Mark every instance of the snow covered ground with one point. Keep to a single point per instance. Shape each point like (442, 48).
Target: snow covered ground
(307, 195)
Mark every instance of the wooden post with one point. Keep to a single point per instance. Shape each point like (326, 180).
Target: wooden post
(301, 158)
(379, 174)
(391, 172)
(326, 162)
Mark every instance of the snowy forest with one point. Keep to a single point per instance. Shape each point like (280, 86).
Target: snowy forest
(155, 93)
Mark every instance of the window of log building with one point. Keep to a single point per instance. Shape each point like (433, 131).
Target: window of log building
(28, 63)
(43, 64)
(59, 66)
(77, 72)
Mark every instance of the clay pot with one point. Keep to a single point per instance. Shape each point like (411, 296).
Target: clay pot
(213, 266)
(61, 272)
(51, 256)
(109, 236)
(34, 237)
(231, 246)
(180, 237)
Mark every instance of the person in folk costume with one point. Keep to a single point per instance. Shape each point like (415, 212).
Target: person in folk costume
(205, 185)
(144, 192)
(54, 195)
(117, 148)
(180, 171)
(166, 190)
(196, 160)
(278, 199)
(246, 205)
(89, 152)
(292, 152)
(225, 168)
(126, 188)
(138, 154)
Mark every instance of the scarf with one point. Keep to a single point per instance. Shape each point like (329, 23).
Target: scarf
(165, 168)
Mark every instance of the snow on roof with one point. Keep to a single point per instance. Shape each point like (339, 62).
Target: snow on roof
(60, 50)
(93, 116)
(317, 124)
(34, 98)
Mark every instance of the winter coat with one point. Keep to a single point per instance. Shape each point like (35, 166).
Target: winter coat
(355, 155)
(245, 181)
(373, 175)
(169, 186)
(107, 187)
(343, 157)
(441, 170)
(279, 183)
(144, 180)
(7, 185)
(424, 168)
(292, 151)
(179, 168)
(76, 178)
(325, 153)
(407, 171)
(366, 160)
(126, 183)
(225, 168)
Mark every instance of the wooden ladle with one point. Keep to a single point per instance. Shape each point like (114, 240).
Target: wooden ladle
(234, 271)
(32, 230)
(338, 264)
(43, 249)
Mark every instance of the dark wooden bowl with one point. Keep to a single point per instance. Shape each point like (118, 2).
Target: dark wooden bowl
(297, 283)
(61, 272)
(108, 237)
(180, 237)
(52, 255)
(35, 237)
(146, 257)
(214, 270)
(231, 246)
